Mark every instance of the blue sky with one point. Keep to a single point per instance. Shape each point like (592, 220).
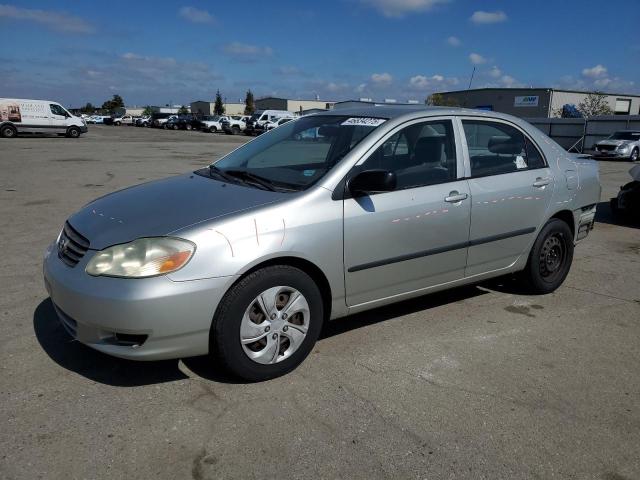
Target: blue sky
(159, 52)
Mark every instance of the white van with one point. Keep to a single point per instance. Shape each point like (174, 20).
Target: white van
(19, 115)
(257, 121)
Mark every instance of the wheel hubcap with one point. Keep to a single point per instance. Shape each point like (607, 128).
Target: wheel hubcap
(274, 325)
(551, 256)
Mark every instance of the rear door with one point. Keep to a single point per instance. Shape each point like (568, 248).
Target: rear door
(416, 236)
(511, 187)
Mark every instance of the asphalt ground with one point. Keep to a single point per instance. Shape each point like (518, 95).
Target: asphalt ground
(478, 382)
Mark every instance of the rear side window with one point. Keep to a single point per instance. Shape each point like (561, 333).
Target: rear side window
(496, 148)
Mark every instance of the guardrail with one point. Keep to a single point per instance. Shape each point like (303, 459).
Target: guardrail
(580, 134)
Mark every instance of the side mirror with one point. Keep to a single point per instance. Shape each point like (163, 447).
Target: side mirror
(373, 181)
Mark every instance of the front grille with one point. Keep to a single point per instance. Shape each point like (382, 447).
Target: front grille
(71, 245)
(605, 148)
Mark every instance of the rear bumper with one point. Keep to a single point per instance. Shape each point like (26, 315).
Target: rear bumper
(172, 318)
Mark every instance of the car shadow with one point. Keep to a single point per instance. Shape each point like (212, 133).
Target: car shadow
(604, 214)
(381, 314)
(76, 357)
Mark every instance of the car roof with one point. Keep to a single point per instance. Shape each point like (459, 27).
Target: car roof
(397, 111)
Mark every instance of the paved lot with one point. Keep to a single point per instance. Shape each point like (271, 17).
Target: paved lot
(480, 382)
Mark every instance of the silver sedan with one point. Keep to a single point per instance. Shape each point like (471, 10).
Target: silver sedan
(325, 216)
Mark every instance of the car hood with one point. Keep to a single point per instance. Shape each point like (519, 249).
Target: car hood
(613, 142)
(160, 207)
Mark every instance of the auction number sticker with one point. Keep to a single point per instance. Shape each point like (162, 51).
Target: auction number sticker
(364, 121)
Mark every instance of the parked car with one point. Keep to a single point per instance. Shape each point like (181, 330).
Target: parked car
(124, 120)
(20, 115)
(627, 203)
(159, 119)
(247, 273)
(197, 122)
(277, 122)
(214, 124)
(143, 121)
(255, 123)
(235, 125)
(621, 144)
(180, 122)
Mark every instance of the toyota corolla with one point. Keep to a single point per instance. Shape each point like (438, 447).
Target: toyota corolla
(325, 216)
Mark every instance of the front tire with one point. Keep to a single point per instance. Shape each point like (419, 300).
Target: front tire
(550, 258)
(8, 131)
(73, 132)
(213, 130)
(267, 323)
(634, 155)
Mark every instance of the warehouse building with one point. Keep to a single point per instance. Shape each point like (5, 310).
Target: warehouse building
(535, 102)
(295, 106)
(202, 107)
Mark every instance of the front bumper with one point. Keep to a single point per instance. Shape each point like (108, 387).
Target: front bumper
(173, 318)
(610, 154)
(84, 129)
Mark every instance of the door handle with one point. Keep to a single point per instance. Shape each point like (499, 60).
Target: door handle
(455, 197)
(541, 182)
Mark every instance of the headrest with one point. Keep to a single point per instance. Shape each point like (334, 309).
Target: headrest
(505, 145)
(430, 149)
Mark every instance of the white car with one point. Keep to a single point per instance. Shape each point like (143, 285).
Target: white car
(214, 124)
(124, 120)
(621, 144)
(277, 122)
(18, 115)
(236, 124)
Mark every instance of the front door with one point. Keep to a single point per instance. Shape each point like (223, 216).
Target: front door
(58, 118)
(415, 236)
(511, 187)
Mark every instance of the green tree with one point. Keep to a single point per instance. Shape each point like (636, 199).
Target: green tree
(88, 108)
(148, 111)
(113, 104)
(439, 100)
(249, 103)
(183, 110)
(594, 104)
(218, 107)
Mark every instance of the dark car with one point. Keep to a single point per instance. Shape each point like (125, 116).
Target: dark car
(182, 122)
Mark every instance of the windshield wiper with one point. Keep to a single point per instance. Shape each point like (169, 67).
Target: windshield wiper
(252, 178)
(221, 173)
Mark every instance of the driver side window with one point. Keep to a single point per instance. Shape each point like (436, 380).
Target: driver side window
(57, 110)
(420, 154)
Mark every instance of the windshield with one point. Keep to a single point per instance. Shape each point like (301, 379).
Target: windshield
(299, 153)
(625, 136)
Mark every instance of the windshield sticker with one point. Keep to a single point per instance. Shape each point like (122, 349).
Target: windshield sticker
(364, 121)
(308, 173)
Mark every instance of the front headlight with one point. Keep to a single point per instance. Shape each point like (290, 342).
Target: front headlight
(623, 148)
(144, 257)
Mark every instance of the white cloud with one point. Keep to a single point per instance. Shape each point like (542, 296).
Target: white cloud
(58, 21)
(482, 17)
(477, 59)
(495, 72)
(246, 52)
(508, 81)
(454, 41)
(399, 8)
(195, 15)
(598, 71)
(361, 88)
(382, 79)
(434, 82)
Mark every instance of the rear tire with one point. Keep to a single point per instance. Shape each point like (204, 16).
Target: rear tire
(8, 131)
(550, 258)
(188, 126)
(117, 124)
(213, 130)
(235, 130)
(230, 324)
(73, 132)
